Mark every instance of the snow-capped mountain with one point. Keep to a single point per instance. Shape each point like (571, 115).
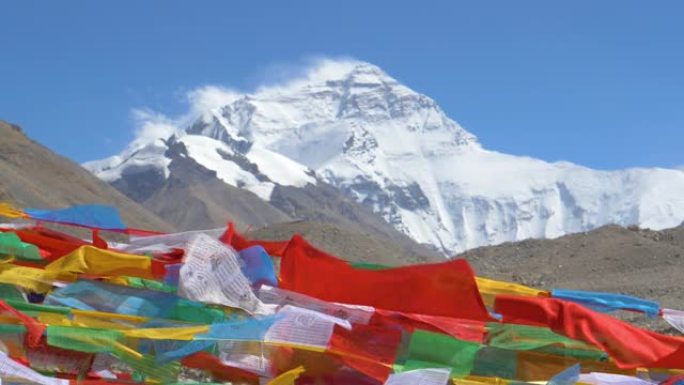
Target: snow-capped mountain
(351, 125)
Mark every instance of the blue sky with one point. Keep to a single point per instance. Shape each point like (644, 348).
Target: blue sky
(596, 83)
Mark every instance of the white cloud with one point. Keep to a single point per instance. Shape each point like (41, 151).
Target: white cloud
(151, 125)
(309, 70)
(210, 97)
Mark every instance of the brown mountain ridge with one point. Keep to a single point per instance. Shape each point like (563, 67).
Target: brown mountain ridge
(31, 175)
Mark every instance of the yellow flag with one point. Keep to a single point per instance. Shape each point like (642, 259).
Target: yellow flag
(7, 210)
(53, 319)
(179, 334)
(91, 319)
(95, 261)
(121, 281)
(114, 317)
(490, 288)
(287, 378)
(31, 278)
(478, 380)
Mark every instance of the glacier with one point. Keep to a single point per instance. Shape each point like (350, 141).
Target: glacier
(350, 124)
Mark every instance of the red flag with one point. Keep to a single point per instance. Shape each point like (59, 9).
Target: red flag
(238, 242)
(212, 364)
(34, 329)
(629, 346)
(98, 241)
(463, 329)
(442, 289)
(368, 349)
(56, 244)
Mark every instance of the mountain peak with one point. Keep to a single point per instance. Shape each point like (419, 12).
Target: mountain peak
(330, 70)
(367, 71)
(329, 73)
(349, 124)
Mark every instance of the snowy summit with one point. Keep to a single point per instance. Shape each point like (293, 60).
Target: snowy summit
(351, 125)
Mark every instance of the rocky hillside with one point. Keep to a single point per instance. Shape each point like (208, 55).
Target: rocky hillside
(645, 263)
(33, 176)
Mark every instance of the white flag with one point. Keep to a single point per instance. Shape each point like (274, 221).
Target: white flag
(596, 378)
(211, 274)
(358, 314)
(674, 318)
(303, 327)
(165, 242)
(10, 369)
(439, 376)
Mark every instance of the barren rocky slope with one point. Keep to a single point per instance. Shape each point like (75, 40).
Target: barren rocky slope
(33, 176)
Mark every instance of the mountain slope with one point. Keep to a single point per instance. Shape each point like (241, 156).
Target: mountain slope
(352, 126)
(348, 243)
(33, 176)
(610, 259)
(194, 181)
